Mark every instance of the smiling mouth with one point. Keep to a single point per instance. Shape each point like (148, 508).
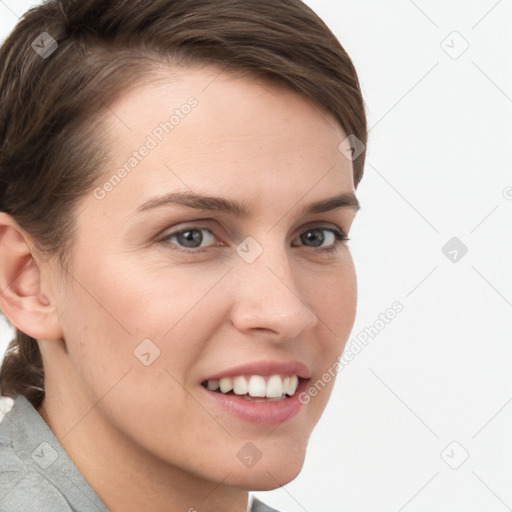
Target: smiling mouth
(256, 388)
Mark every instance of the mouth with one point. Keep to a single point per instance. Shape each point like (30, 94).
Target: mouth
(256, 388)
(263, 394)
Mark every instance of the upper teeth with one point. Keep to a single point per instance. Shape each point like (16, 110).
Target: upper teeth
(256, 386)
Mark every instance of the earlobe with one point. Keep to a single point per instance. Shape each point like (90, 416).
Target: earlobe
(22, 299)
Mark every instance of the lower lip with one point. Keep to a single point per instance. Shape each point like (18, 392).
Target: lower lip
(260, 413)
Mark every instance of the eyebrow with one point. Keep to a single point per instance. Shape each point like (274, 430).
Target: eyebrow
(232, 207)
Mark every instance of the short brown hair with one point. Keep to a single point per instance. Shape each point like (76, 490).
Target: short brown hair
(49, 156)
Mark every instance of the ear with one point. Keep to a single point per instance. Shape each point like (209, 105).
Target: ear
(22, 299)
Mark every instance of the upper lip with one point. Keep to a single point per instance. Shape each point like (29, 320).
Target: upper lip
(265, 368)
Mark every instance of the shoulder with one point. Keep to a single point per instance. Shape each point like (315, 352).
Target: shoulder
(259, 506)
(24, 491)
(23, 488)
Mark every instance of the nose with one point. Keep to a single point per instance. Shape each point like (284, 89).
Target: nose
(268, 299)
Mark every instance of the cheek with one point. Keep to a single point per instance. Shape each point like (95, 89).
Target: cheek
(135, 317)
(334, 300)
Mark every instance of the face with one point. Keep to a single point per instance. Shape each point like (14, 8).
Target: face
(210, 259)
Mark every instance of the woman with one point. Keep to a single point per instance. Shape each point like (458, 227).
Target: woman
(178, 183)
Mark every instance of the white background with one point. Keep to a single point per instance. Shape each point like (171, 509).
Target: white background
(438, 166)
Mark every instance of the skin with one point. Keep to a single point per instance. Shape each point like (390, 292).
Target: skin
(144, 437)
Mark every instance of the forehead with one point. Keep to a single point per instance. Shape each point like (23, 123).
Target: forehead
(204, 129)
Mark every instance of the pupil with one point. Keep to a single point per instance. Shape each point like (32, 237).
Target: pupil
(190, 238)
(315, 236)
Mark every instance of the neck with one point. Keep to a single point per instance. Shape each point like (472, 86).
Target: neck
(124, 475)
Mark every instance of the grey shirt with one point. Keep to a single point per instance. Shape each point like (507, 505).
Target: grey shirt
(36, 473)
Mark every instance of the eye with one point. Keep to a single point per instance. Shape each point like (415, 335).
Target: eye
(315, 237)
(197, 239)
(191, 238)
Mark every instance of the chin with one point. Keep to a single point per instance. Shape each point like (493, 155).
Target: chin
(276, 471)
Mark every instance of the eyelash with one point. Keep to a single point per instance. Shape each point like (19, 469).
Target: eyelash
(340, 239)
